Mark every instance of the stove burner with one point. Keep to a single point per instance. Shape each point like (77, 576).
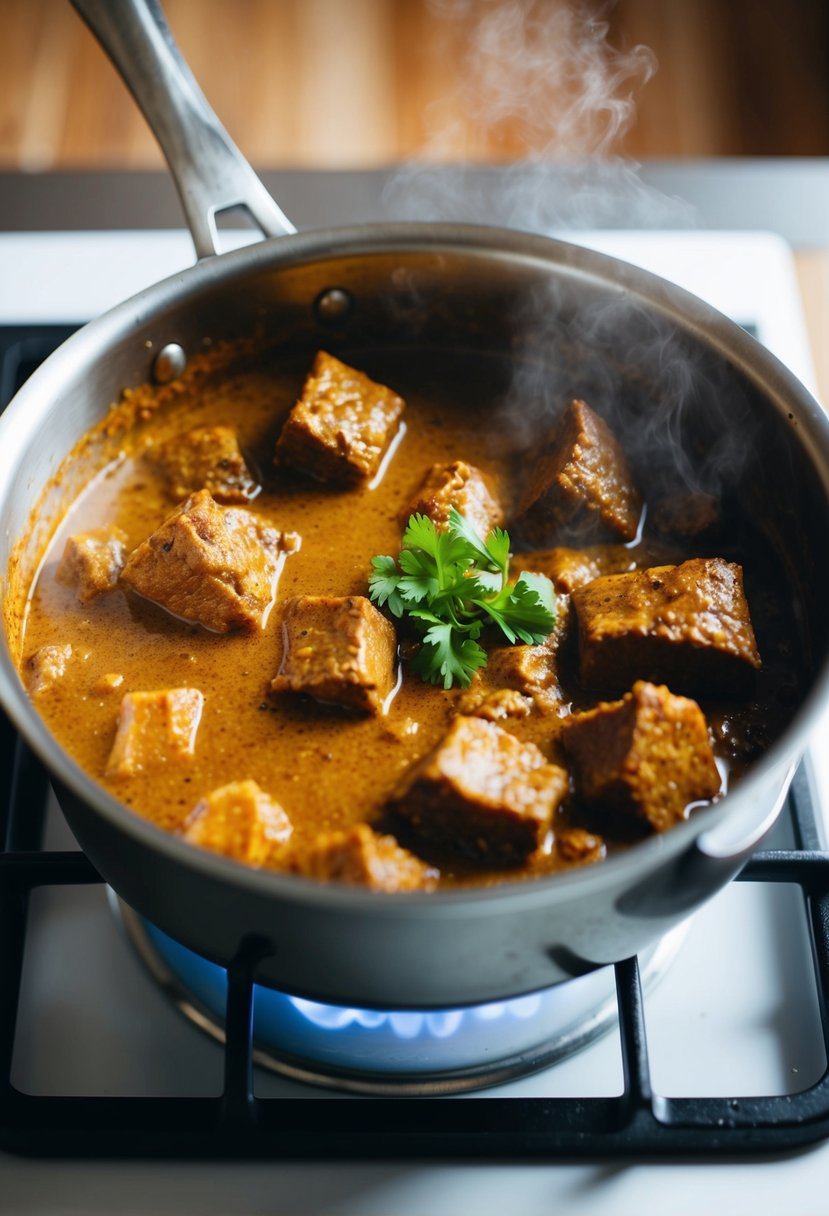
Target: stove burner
(372, 1051)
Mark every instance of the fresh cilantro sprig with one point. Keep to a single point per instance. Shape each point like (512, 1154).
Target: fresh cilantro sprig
(452, 584)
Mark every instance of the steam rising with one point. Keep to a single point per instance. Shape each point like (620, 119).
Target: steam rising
(537, 82)
(538, 79)
(547, 71)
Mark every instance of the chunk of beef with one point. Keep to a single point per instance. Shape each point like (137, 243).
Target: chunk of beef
(463, 487)
(577, 846)
(645, 758)
(45, 667)
(482, 794)
(362, 857)
(687, 625)
(205, 458)
(338, 649)
(691, 516)
(217, 566)
(568, 569)
(532, 670)
(92, 562)
(155, 728)
(240, 820)
(580, 483)
(341, 426)
(495, 706)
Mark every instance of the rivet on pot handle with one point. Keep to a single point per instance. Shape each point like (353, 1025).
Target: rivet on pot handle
(209, 170)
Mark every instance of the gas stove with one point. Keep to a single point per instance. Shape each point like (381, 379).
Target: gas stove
(716, 1046)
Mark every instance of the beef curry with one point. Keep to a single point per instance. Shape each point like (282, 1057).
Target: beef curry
(202, 639)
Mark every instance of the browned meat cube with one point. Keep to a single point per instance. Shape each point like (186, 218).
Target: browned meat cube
(647, 756)
(362, 857)
(581, 483)
(527, 669)
(577, 846)
(687, 625)
(482, 794)
(568, 569)
(45, 667)
(241, 821)
(691, 516)
(463, 487)
(341, 426)
(92, 562)
(217, 566)
(206, 458)
(155, 728)
(532, 670)
(495, 706)
(338, 649)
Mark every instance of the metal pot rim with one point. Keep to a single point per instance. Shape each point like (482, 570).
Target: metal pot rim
(35, 400)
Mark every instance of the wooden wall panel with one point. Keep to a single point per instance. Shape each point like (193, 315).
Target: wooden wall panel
(350, 83)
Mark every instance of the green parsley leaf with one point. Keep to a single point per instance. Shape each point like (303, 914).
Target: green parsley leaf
(542, 587)
(382, 585)
(421, 533)
(463, 530)
(529, 607)
(444, 548)
(497, 546)
(419, 580)
(486, 582)
(453, 583)
(447, 655)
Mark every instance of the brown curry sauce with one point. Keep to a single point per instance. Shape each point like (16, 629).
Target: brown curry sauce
(327, 767)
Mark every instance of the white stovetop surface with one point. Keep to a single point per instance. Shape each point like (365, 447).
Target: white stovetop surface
(729, 1020)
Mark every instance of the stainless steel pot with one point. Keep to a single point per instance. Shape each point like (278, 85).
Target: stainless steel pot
(407, 285)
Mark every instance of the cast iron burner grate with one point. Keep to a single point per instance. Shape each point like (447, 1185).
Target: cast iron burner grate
(637, 1123)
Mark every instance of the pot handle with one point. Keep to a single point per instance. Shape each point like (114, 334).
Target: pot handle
(734, 839)
(210, 173)
(716, 856)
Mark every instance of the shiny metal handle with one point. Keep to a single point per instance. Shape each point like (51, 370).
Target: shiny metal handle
(209, 170)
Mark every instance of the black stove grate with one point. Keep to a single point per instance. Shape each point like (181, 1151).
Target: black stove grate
(636, 1124)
